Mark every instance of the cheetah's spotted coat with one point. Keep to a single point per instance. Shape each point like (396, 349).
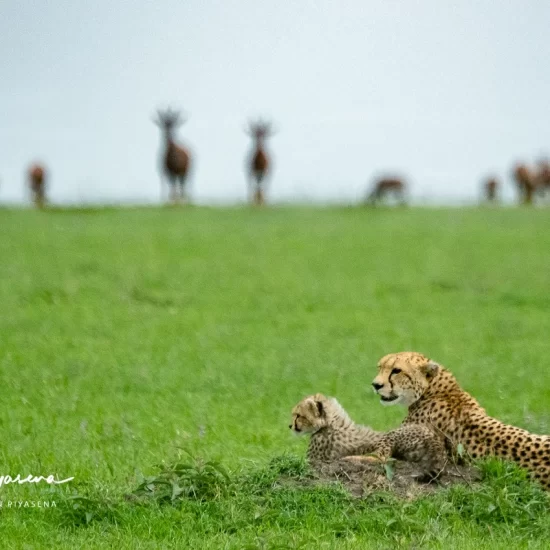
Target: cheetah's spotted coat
(435, 399)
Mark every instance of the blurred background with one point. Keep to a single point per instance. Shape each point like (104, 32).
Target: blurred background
(443, 95)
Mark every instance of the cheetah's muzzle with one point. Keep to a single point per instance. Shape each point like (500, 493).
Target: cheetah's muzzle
(388, 399)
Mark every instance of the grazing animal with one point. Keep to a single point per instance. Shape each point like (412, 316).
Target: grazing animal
(334, 435)
(258, 164)
(526, 181)
(435, 399)
(37, 181)
(490, 189)
(385, 187)
(176, 159)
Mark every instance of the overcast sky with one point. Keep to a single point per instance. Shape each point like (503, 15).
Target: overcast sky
(442, 92)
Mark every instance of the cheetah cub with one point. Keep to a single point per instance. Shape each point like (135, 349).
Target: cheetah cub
(334, 435)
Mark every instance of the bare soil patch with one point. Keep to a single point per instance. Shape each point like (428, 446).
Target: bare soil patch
(403, 479)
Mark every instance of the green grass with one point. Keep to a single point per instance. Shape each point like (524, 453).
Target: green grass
(130, 337)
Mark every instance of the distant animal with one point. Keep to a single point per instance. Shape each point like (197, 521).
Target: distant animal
(258, 163)
(543, 177)
(385, 187)
(334, 435)
(37, 183)
(490, 188)
(176, 159)
(526, 181)
(435, 399)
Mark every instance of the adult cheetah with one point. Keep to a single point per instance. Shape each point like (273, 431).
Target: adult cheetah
(334, 435)
(435, 399)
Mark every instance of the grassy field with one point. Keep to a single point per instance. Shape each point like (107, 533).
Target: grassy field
(130, 338)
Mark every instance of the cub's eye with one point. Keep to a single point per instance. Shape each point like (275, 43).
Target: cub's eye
(395, 371)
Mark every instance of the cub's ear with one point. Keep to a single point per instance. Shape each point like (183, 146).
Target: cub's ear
(316, 407)
(320, 400)
(320, 408)
(430, 369)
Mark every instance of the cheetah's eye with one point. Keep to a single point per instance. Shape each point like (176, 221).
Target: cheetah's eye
(395, 371)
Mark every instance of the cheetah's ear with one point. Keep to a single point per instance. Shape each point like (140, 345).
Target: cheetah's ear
(320, 408)
(316, 407)
(430, 369)
(320, 400)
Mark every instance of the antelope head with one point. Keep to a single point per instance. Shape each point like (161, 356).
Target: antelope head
(169, 120)
(259, 129)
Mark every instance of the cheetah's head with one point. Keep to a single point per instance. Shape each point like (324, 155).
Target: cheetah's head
(403, 377)
(309, 416)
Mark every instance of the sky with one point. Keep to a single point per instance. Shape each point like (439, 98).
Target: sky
(442, 93)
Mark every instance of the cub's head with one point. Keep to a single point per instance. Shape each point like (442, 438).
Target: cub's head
(403, 377)
(309, 415)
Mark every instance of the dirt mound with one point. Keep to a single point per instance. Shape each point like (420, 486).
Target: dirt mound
(401, 478)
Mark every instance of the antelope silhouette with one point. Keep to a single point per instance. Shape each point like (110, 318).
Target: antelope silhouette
(490, 189)
(526, 181)
(543, 177)
(37, 183)
(384, 187)
(258, 164)
(176, 159)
